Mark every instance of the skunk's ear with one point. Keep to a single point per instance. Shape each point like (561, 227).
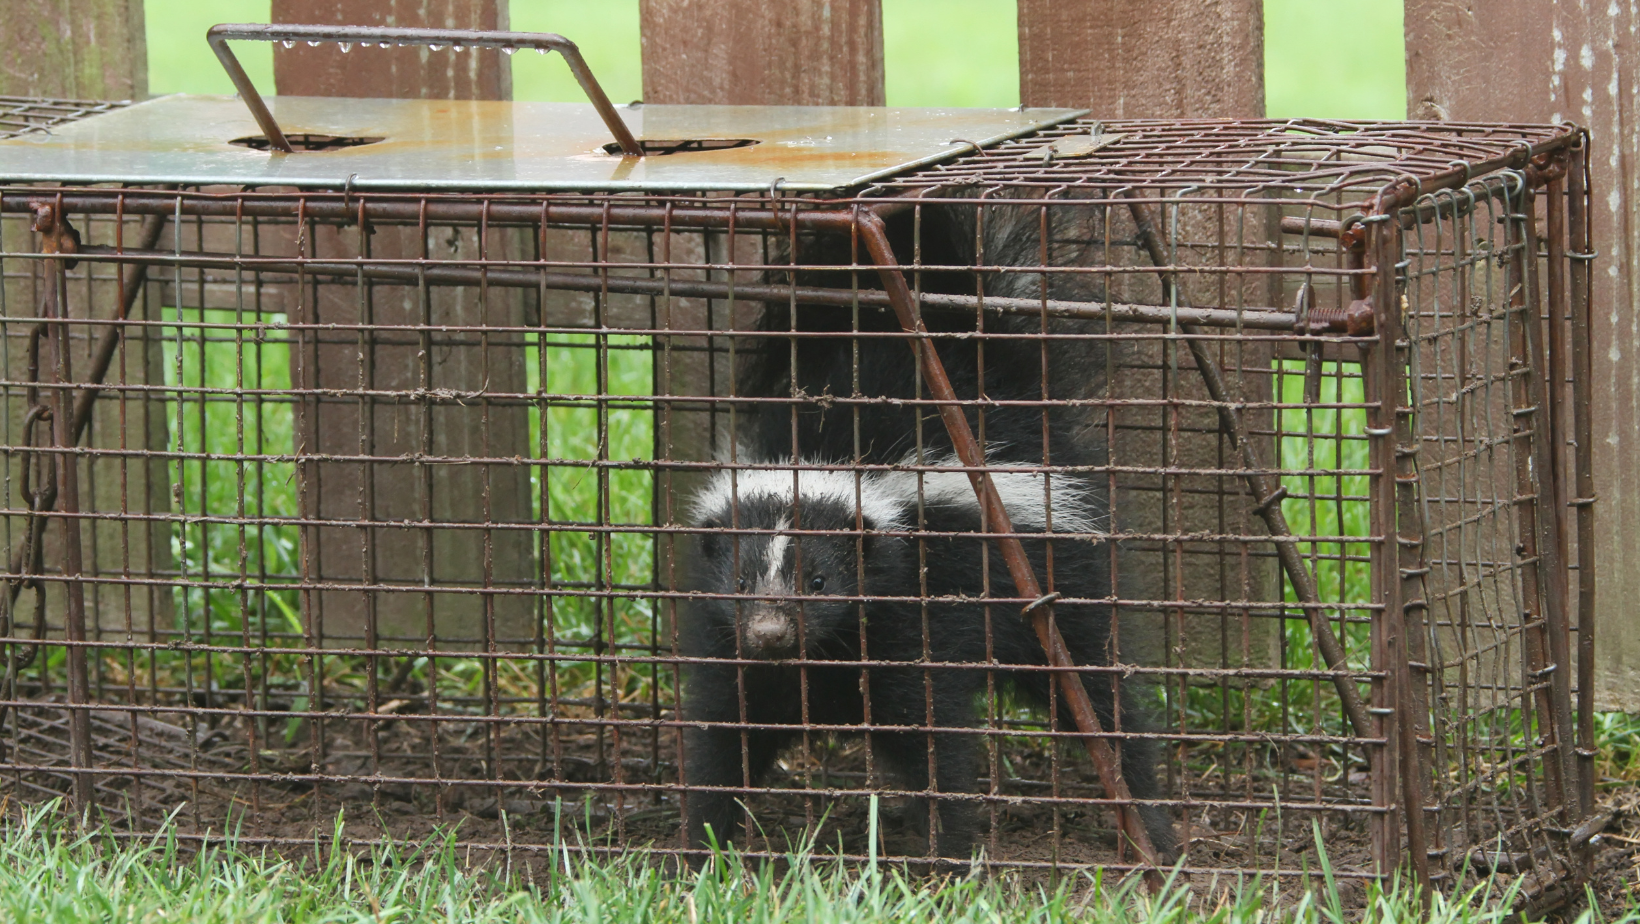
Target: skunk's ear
(874, 543)
(711, 541)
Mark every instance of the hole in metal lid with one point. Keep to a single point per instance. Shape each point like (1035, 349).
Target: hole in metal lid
(307, 143)
(658, 147)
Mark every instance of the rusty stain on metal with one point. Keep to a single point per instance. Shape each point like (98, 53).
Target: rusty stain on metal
(494, 145)
(57, 236)
(1073, 146)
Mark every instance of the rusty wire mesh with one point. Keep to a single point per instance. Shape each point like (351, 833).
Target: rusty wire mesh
(384, 501)
(22, 114)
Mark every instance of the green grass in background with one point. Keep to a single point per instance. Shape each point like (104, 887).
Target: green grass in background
(1332, 60)
(179, 61)
(951, 52)
(607, 33)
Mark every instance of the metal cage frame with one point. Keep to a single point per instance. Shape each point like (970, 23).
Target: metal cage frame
(1441, 269)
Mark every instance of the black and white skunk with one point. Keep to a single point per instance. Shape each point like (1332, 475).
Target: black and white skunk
(787, 551)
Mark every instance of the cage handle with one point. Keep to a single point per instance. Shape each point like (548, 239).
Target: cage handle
(346, 36)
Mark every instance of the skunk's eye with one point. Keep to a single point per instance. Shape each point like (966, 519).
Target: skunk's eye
(818, 583)
(742, 585)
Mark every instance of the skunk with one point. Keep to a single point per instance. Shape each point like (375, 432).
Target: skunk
(848, 532)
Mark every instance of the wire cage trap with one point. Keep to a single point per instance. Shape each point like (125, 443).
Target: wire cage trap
(1212, 488)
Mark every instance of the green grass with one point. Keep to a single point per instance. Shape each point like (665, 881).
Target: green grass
(221, 350)
(570, 365)
(1334, 60)
(1618, 734)
(1328, 500)
(231, 359)
(179, 61)
(950, 53)
(606, 32)
(50, 873)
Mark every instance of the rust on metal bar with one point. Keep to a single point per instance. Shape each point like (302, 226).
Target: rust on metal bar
(1526, 403)
(54, 318)
(57, 236)
(1548, 465)
(1552, 356)
(406, 272)
(1579, 283)
(131, 287)
(1401, 581)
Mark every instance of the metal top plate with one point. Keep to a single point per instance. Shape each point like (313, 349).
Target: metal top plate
(476, 145)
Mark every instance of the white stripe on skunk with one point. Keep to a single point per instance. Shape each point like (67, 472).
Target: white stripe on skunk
(888, 499)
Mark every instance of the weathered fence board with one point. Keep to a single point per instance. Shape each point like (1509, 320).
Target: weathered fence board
(746, 52)
(408, 72)
(397, 491)
(1141, 59)
(74, 49)
(1168, 60)
(1545, 62)
(95, 49)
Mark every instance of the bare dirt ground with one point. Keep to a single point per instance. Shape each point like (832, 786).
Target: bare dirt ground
(513, 794)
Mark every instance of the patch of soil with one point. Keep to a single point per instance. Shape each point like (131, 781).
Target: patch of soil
(515, 792)
(1616, 880)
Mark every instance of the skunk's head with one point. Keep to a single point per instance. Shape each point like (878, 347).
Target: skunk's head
(795, 562)
(791, 549)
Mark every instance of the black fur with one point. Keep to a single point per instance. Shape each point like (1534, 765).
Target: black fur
(831, 627)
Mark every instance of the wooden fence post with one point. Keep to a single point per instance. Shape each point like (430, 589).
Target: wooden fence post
(749, 52)
(1144, 59)
(95, 49)
(74, 49)
(1542, 61)
(464, 362)
(746, 52)
(413, 71)
(1175, 59)
(741, 52)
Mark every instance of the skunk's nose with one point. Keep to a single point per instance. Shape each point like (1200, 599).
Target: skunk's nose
(770, 634)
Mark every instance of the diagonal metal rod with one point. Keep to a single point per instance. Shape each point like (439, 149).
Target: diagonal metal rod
(875, 235)
(1260, 485)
